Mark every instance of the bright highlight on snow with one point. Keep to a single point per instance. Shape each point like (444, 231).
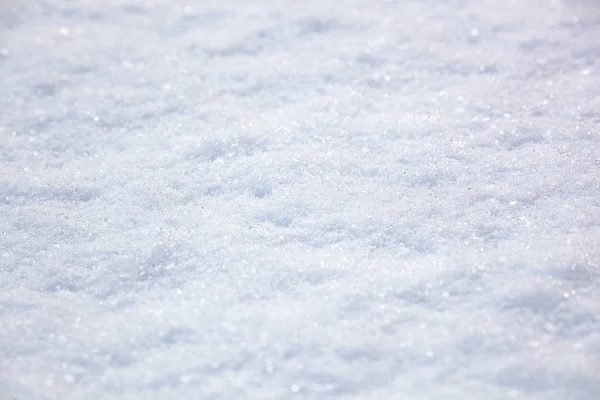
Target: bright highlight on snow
(386, 200)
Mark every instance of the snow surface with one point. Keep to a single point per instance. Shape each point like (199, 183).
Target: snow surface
(299, 199)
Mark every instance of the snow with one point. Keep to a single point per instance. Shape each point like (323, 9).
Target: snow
(299, 199)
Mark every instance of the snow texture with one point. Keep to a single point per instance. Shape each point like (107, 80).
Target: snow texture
(281, 199)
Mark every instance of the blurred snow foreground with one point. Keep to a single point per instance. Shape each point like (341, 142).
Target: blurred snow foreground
(299, 199)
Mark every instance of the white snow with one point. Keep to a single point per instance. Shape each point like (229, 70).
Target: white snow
(281, 199)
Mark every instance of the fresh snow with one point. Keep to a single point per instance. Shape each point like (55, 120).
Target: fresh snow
(278, 199)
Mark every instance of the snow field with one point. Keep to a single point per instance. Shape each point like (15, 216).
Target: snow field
(317, 200)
